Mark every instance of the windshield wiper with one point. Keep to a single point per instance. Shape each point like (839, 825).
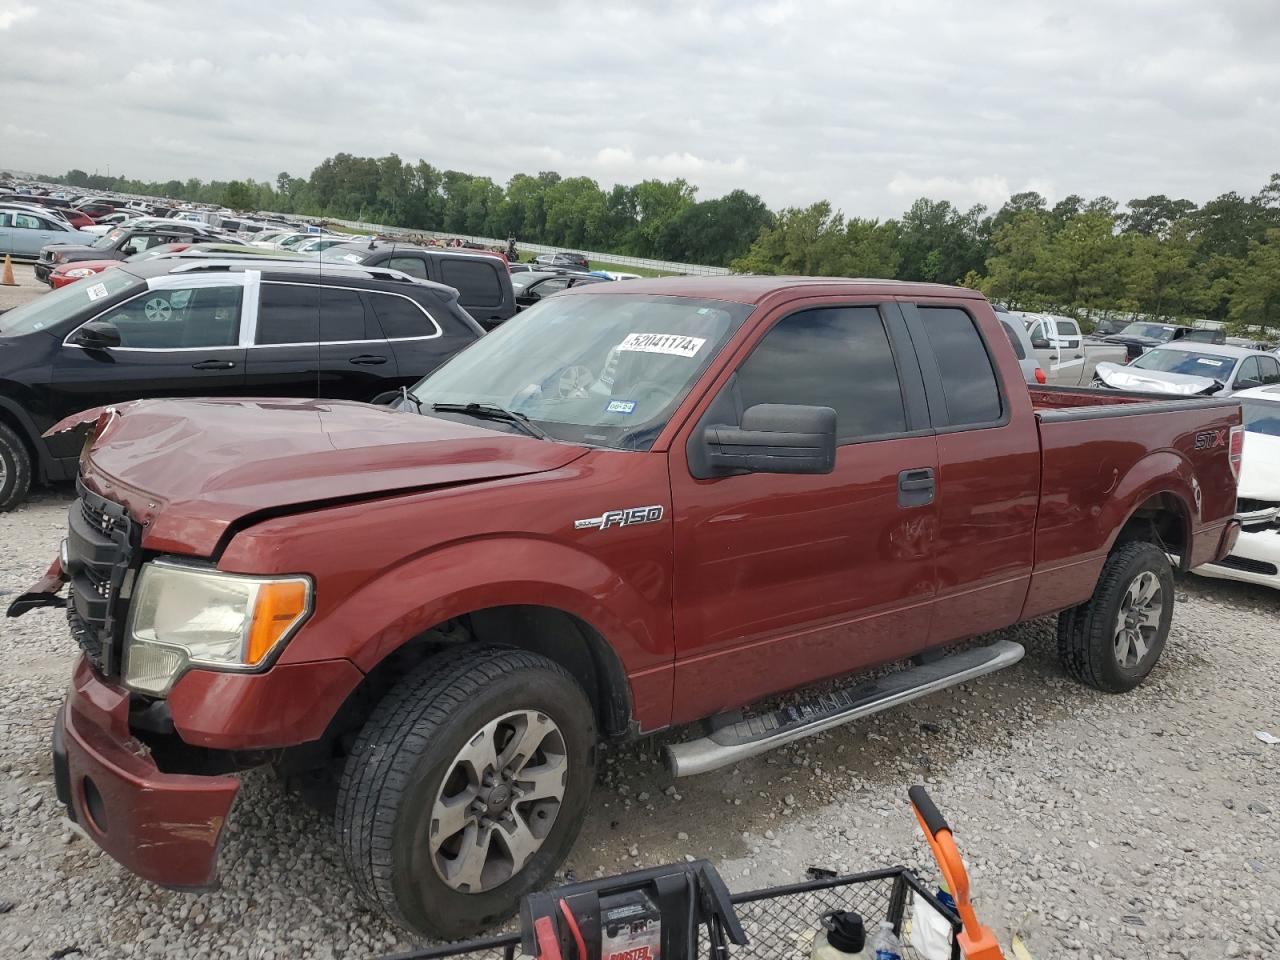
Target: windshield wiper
(491, 411)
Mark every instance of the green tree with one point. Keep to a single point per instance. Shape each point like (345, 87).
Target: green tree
(238, 195)
(1016, 272)
(1153, 216)
(939, 243)
(814, 241)
(716, 231)
(1253, 289)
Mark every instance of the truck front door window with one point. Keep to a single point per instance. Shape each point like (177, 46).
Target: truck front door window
(835, 357)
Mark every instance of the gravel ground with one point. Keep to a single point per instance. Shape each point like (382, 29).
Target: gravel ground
(1094, 826)
(28, 287)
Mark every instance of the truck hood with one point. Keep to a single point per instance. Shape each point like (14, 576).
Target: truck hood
(1152, 381)
(189, 470)
(74, 251)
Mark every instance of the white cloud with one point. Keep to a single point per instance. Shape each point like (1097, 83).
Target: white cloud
(11, 13)
(796, 101)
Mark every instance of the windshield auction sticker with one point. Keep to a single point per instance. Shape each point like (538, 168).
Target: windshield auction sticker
(675, 344)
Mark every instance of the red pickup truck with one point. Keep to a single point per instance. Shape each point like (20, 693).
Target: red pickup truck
(641, 505)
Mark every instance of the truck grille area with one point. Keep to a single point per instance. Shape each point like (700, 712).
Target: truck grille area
(102, 543)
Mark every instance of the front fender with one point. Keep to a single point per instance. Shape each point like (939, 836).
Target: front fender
(458, 578)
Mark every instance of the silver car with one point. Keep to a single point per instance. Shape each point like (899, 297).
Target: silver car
(1020, 340)
(24, 232)
(1190, 369)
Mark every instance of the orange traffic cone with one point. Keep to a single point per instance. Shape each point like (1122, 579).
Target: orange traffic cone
(7, 280)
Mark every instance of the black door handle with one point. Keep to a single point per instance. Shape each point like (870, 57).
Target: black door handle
(916, 487)
(213, 365)
(368, 360)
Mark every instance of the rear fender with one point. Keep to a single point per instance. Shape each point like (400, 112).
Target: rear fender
(1162, 472)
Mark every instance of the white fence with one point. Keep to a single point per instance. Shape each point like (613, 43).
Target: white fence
(662, 266)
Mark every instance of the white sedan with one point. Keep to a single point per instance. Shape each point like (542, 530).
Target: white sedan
(1256, 557)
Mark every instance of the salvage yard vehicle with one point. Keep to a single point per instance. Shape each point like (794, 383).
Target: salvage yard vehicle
(25, 233)
(1256, 555)
(1019, 340)
(482, 279)
(1140, 337)
(119, 244)
(1068, 358)
(533, 286)
(253, 326)
(1188, 369)
(637, 506)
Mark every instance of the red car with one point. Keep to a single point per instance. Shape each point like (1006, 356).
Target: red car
(77, 218)
(75, 270)
(643, 505)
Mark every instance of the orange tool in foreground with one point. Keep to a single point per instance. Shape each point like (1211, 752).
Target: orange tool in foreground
(976, 941)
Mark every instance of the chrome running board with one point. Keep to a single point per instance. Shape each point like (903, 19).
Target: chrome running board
(735, 737)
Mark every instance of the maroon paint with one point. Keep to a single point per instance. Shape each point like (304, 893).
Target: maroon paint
(163, 827)
(749, 585)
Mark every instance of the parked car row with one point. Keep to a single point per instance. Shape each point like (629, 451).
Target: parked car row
(258, 327)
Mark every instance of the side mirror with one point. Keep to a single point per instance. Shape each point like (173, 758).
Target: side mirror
(774, 438)
(98, 335)
(1040, 343)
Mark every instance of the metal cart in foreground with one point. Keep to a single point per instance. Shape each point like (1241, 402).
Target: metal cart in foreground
(685, 912)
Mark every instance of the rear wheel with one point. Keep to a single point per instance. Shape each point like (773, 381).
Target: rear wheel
(15, 469)
(1113, 640)
(466, 788)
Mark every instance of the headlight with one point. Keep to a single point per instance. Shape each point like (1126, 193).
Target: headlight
(80, 272)
(192, 616)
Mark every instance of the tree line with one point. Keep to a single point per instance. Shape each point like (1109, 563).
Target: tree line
(1155, 256)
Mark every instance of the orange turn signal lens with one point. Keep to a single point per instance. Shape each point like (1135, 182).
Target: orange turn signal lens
(279, 605)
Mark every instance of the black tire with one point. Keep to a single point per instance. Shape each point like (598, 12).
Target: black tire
(1087, 634)
(15, 469)
(397, 770)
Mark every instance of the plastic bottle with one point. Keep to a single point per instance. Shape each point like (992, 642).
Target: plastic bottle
(842, 937)
(930, 930)
(885, 944)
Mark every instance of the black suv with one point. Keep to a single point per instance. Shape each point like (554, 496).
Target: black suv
(175, 328)
(120, 243)
(481, 279)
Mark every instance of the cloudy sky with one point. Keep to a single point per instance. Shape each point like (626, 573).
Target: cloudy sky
(868, 104)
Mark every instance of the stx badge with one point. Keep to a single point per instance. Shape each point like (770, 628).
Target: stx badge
(620, 518)
(1210, 439)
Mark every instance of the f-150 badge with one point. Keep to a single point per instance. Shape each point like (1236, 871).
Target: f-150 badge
(620, 518)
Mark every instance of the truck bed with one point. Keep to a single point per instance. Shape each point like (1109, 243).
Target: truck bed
(1104, 451)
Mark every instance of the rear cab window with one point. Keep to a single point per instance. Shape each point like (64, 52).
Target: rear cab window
(969, 387)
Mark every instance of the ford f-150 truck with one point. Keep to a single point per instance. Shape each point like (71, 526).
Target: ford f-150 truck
(635, 507)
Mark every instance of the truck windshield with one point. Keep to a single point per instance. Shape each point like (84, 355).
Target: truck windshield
(1261, 416)
(1184, 361)
(602, 369)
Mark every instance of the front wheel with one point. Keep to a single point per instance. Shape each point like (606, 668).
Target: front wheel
(1113, 640)
(466, 788)
(15, 469)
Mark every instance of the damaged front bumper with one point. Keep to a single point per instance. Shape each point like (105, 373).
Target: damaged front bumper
(43, 593)
(164, 827)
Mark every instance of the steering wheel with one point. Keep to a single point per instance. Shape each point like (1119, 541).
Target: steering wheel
(157, 309)
(575, 382)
